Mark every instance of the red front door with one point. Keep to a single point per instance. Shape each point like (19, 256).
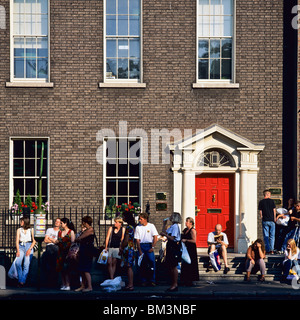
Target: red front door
(214, 204)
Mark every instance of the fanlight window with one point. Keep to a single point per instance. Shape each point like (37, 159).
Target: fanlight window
(216, 158)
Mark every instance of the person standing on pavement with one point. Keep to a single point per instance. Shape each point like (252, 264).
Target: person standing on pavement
(114, 237)
(50, 255)
(173, 249)
(267, 211)
(146, 238)
(190, 272)
(65, 238)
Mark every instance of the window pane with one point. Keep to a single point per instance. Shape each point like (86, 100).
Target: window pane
(227, 26)
(203, 7)
(30, 47)
(123, 48)
(134, 170)
(30, 24)
(228, 6)
(215, 49)
(123, 170)
(19, 185)
(134, 48)
(217, 26)
(215, 7)
(203, 26)
(42, 6)
(42, 68)
(19, 68)
(134, 6)
(18, 167)
(215, 69)
(134, 187)
(18, 149)
(122, 6)
(111, 170)
(203, 49)
(123, 69)
(39, 148)
(111, 25)
(30, 149)
(203, 69)
(30, 187)
(111, 6)
(134, 25)
(123, 187)
(122, 200)
(134, 69)
(134, 149)
(30, 168)
(18, 6)
(111, 149)
(111, 68)
(30, 6)
(19, 24)
(226, 48)
(111, 188)
(226, 69)
(41, 27)
(42, 47)
(123, 25)
(38, 168)
(111, 48)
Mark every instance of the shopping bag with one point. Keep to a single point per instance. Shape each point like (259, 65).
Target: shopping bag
(112, 285)
(12, 272)
(215, 260)
(185, 255)
(103, 257)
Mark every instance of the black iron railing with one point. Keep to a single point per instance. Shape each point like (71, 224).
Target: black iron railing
(10, 222)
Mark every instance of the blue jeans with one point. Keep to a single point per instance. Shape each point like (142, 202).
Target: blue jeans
(23, 272)
(145, 247)
(269, 234)
(289, 264)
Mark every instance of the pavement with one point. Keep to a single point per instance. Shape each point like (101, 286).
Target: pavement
(204, 290)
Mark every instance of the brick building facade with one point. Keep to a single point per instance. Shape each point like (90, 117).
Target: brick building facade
(174, 77)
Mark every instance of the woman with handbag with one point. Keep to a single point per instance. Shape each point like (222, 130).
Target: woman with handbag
(65, 238)
(189, 272)
(173, 250)
(24, 245)
(86, 254)
(114, 237)
(127, 248)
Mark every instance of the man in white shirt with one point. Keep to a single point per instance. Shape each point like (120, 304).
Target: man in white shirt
(50, 255)
(217, 240)
(146, 238)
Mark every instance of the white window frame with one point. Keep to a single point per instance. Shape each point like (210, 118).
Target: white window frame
(26, 82)
(11, 165)
(122, 83)
(140, 172)
(217, 83)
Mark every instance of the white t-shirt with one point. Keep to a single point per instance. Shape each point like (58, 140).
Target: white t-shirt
(294, 256)
(51, 233)
(174, 231)
(25, 235)
(211, 238)
(145, 233)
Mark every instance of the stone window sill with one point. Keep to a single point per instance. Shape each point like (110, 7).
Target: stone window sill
(25, 84)
(215, 85)
(121, 85)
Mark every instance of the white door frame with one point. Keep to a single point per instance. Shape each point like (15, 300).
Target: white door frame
(244, 153)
